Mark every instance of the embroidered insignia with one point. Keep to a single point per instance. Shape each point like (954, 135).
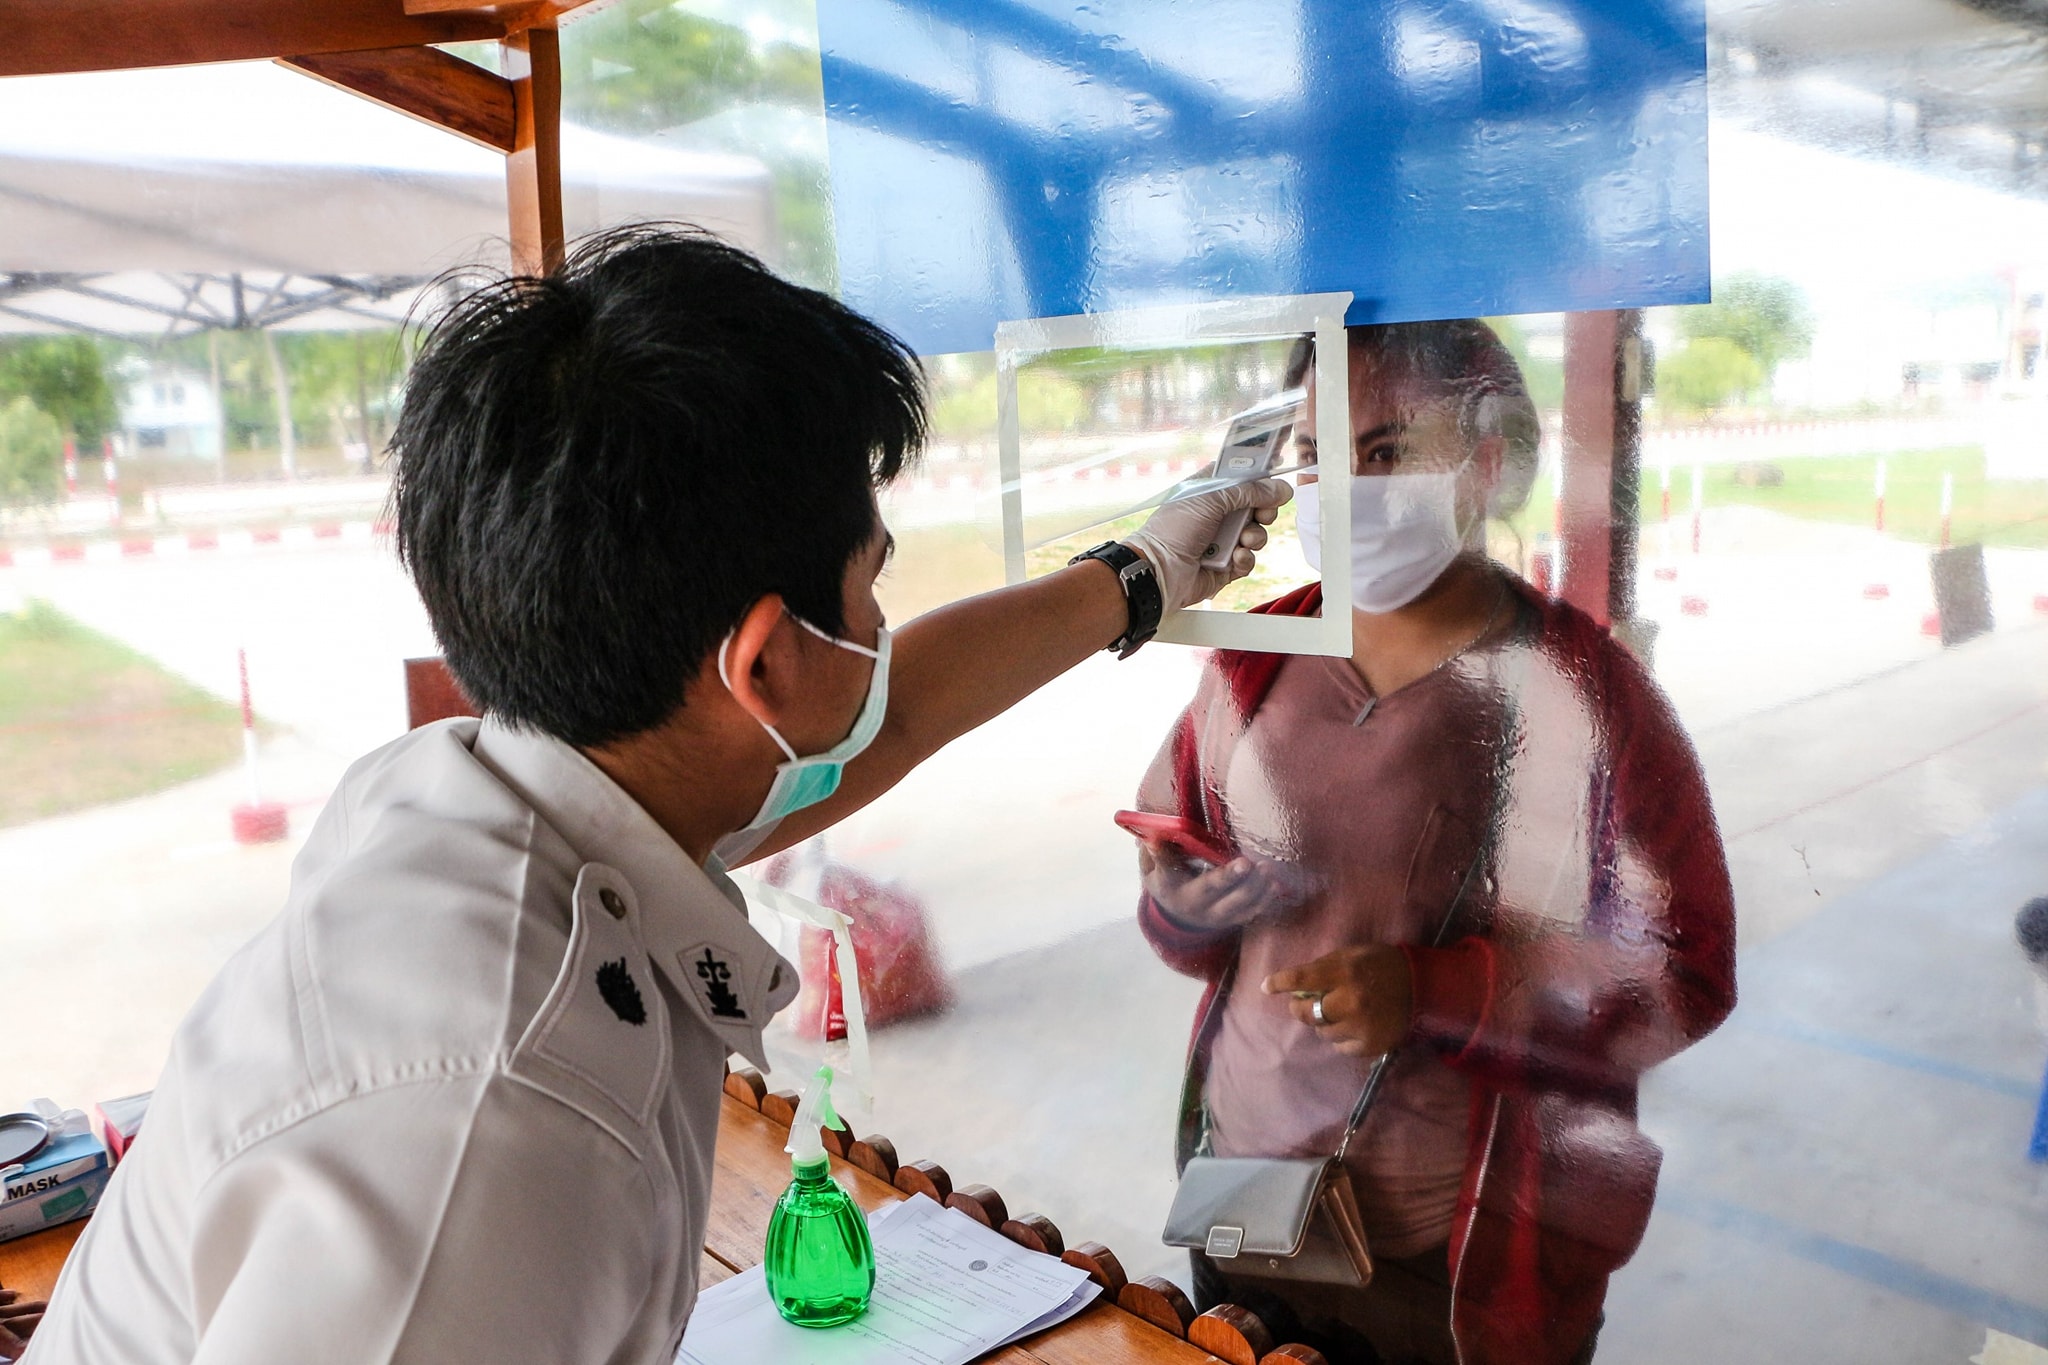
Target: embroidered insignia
(615, 984)
(715, 974)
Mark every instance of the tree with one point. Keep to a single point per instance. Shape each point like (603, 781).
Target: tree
(1706, 373)
(31, 454)
(1765, 316)
(649, 66)
(1544, 375)
(66, 378)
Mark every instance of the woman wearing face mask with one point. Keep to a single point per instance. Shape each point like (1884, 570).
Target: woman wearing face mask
(1480, 847)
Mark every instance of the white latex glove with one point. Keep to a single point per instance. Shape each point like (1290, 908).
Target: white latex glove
(1174, 537)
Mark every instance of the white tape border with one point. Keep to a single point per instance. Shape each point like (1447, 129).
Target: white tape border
(1216, 320)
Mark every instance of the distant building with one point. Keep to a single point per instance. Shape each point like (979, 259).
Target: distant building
(173, 413)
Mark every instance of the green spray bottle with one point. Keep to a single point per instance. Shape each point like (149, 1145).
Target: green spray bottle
(819, 1261)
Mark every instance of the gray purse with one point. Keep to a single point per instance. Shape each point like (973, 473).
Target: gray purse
(1280, 1218)
(1284, 1218)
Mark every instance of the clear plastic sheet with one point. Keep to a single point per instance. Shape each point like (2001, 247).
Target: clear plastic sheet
(1128, 411)
(1812, 713)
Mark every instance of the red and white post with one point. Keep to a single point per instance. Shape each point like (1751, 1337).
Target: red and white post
(113, 480)
(1665, 571)
(1699, 502)
(255, 821)
(70, 468)
(1877, 590)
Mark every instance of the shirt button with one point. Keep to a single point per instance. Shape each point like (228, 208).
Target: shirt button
(612, 901)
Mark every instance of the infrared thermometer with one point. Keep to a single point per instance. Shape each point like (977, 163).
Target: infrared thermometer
(1255, 445)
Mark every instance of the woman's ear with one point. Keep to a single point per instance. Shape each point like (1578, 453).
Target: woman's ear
(1488, 454)
(756, 669)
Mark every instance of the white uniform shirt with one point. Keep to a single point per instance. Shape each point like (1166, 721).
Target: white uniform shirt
(456, 1103)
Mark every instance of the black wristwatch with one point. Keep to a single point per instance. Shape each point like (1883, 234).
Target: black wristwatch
(1142, 597)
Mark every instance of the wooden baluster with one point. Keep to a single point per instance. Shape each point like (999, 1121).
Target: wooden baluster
(1231, 1333)
(1036, 1231)
(877, 1156)
(1160, 1302)
(1102, 1267)
(1293, 1354)
(927, 1178)
(982, 1204)
(744, 1084)
(781, 1105)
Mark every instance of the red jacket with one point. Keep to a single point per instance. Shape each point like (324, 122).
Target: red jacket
(1557, 1010)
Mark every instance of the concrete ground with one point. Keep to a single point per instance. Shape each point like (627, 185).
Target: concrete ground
(1844, 1175)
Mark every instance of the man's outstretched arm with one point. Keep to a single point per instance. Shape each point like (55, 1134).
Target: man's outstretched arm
(962, 665)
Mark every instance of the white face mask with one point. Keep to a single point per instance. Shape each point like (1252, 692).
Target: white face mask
(801, 782)
(1404, 534)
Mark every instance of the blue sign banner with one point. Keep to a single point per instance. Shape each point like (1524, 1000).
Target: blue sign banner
(1004, 159)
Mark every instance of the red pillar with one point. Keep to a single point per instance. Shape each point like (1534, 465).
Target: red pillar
(1602, 461)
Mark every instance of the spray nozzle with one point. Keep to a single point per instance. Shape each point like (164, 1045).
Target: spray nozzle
(806, 1147)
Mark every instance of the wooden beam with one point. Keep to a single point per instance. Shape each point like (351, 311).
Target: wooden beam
(533, 168)
(426, 83)
(519, 13)
(107, 35)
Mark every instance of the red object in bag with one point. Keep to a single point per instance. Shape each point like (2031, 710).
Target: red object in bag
(900, 975)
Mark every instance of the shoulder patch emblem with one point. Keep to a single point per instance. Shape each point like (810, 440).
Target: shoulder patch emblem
(615, 984)
(718, 992)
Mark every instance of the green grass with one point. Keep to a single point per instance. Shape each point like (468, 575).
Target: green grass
(1840, 488)
(84, 720)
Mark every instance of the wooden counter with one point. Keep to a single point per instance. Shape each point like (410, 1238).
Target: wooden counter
(31, 1263)
(750, 1175)
(752, 1172)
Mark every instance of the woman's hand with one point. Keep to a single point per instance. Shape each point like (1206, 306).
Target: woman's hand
(1366, 994)
(17, 1322)
(1215, 900)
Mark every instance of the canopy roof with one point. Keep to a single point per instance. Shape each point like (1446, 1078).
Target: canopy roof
(145, 201)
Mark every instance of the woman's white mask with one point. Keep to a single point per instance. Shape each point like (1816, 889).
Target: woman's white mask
(1404, 534)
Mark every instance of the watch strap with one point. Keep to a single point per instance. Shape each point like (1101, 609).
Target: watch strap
(1143, 599)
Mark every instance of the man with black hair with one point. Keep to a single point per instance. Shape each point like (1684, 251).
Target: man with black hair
(459, 1101)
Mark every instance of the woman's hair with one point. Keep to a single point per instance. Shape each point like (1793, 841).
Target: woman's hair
(1468, 362)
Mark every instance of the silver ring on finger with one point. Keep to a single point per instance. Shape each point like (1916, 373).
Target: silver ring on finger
(1315, 1011)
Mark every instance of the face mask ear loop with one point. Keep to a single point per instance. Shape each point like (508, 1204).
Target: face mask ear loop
(834, 639)
(1473, 536)
(726, 678)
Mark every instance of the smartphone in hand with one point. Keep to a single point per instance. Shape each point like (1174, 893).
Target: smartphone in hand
(1185, 839)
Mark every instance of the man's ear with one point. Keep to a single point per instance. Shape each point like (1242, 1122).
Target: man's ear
(758, 662)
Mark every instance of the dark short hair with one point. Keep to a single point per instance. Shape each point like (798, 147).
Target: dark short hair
(600, 470)
(1467, 360)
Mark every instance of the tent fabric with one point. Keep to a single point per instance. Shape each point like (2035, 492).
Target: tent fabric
(162, 186)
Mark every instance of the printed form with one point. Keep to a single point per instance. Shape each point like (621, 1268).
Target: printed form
(947, 1290)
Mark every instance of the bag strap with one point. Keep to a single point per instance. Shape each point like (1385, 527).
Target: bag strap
(1371, 1090)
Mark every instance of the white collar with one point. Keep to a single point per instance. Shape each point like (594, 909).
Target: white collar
(692, 918)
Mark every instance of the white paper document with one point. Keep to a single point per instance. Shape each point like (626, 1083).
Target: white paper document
(947, 1290)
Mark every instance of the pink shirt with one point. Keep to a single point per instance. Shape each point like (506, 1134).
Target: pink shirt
(1383, 803)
